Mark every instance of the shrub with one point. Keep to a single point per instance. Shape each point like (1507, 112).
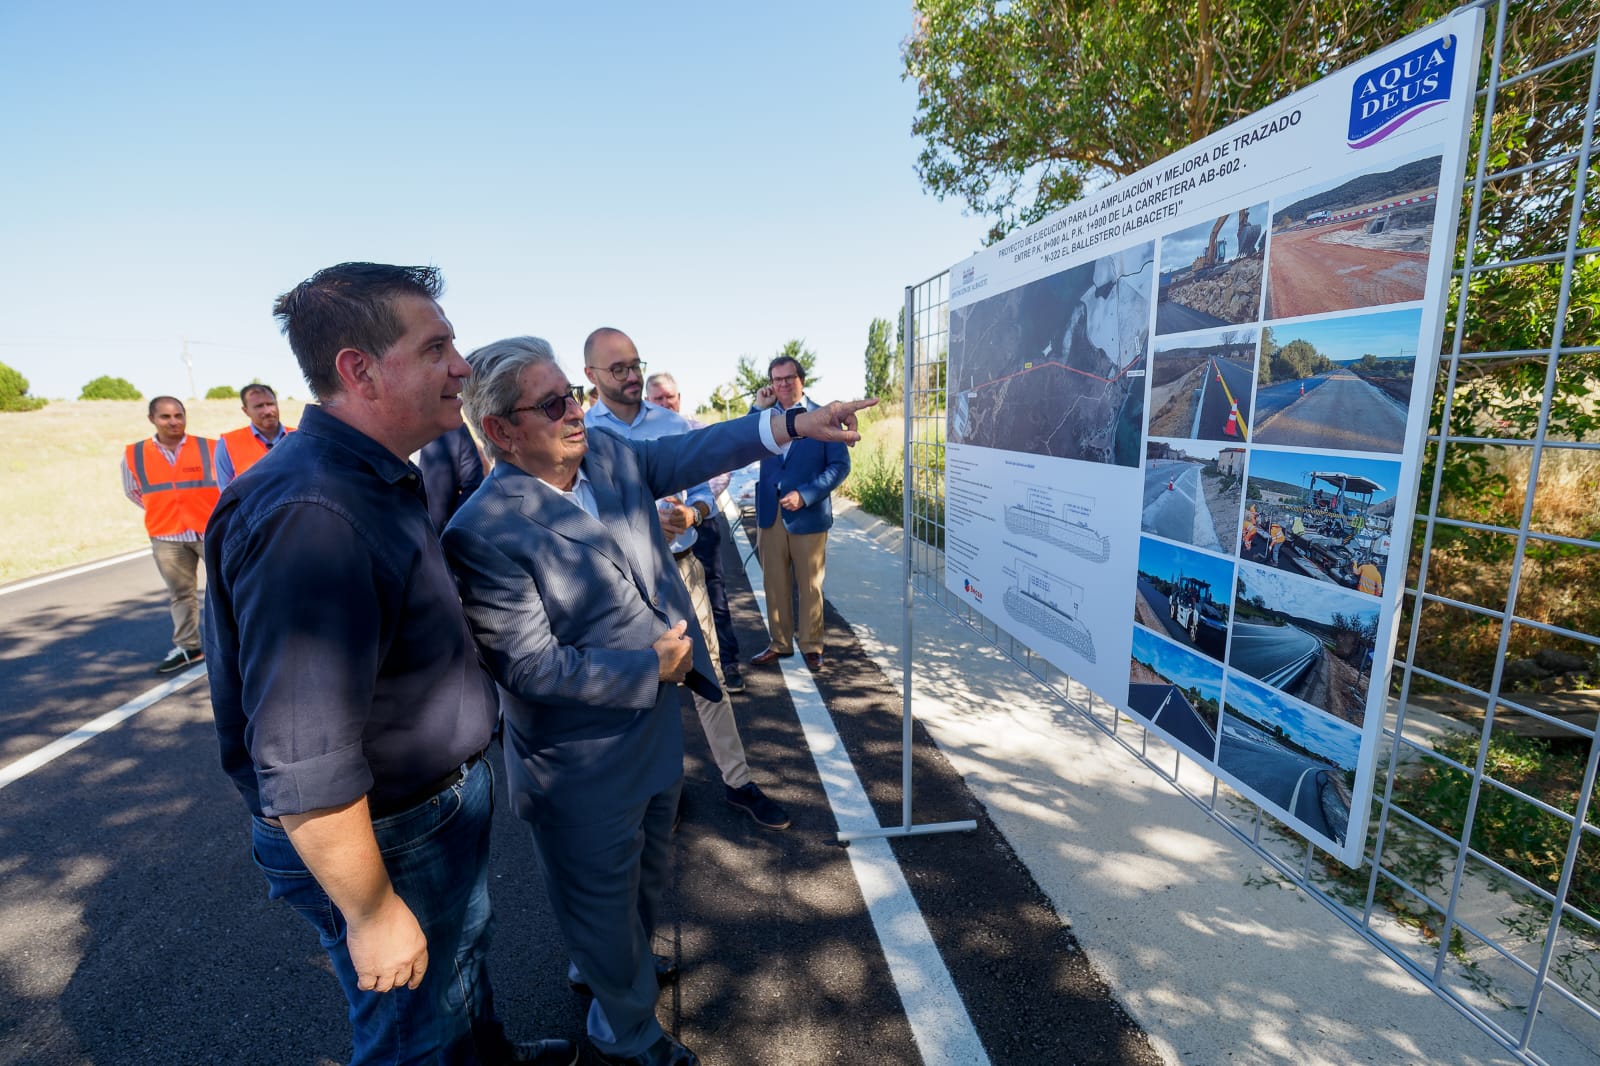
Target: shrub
(222, 392)
(877, 484)
(14, 392)
(106, 387)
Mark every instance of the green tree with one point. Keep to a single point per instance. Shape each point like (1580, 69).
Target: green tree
(106, 387)
(222, 392)
(1022, 104)
(749, 376)
(878, 360)
(899, 375)
(14, 392)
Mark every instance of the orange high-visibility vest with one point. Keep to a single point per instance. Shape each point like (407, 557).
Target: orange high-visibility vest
(177, 499)
(245, 448)
(1371, 581)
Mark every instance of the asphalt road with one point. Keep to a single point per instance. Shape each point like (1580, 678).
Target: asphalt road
(1169, 709)
(1343, 414)
(1280, 775)
(136, 929)
(1217, 400)
(1176, 318)
(1278, 655)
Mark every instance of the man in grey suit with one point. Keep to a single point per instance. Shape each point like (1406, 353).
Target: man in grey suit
(587, 626)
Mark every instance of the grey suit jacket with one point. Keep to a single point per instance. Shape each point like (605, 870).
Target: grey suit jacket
(566, 608)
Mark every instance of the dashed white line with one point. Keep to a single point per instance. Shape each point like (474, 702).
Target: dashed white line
(938, 1018)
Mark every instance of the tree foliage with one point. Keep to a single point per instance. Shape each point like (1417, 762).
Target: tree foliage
(106, 387)
(14, 392)
(1023, 104)
(878, 363)
(750, 376)
(222, 392)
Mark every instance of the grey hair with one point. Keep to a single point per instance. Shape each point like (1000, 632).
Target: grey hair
(494, 387)
(671, 381)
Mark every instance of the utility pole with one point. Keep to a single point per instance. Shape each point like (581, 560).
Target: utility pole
(188, 361)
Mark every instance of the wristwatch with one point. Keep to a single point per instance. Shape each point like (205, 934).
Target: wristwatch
(789, 417)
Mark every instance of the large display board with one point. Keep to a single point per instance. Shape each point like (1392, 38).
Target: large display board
(1186, 418)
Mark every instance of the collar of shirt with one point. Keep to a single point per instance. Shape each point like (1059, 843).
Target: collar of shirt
(368, 452)
(172, 455)
(262, 437)
(580, 496)
(651, 421)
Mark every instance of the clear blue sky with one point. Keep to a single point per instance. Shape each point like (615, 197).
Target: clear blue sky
(713, 179)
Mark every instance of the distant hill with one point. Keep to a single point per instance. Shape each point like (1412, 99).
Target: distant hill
(1282, 488)
(1413, 177)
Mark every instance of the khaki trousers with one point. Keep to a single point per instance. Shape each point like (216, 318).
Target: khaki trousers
(722, 732)
(179, 563)
(778, 550)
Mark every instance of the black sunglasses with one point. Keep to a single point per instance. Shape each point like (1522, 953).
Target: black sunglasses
(556, 406)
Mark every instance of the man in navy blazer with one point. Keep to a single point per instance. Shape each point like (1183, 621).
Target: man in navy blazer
(452, 470)
(587, 627)
(794, 511)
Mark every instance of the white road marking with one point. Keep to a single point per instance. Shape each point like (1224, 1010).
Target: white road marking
(938, 1018)
(28, 763)
(35, 582)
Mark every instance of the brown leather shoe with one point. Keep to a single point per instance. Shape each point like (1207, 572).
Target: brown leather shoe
(770, 656)
(813, 659)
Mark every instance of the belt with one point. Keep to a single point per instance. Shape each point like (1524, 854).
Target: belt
(424, 793)
(681, 556)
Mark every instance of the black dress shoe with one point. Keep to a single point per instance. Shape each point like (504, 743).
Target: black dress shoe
(544, 1053)
(664, 1052)
(666, 973)
(768, 657)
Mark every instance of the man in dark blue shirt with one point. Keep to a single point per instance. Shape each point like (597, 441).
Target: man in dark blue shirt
(351, 708)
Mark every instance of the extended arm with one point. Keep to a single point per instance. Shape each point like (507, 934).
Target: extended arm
(672, 463)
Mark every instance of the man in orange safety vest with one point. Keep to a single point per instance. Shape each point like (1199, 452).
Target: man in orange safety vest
(240, 449)
(172, 478)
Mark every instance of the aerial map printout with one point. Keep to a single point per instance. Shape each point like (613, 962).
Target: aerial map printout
(1185, 425)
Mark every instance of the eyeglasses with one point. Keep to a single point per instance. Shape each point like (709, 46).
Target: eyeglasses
(781, 378)
(621, 371)
(556, 406)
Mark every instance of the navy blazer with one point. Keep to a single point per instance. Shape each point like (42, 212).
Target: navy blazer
(566, 609)
(811, 468)
(452, 470)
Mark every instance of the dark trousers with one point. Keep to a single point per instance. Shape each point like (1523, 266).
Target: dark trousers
(708, 549)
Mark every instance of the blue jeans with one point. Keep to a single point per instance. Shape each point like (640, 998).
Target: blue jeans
(437, 854)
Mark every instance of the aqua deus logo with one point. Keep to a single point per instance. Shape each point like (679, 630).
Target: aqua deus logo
(1387, 97)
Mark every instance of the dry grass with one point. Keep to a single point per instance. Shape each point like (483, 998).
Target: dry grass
(1556, 585)
(64, 502)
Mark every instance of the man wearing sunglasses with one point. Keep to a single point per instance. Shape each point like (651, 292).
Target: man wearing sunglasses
(584, 619)
(611, 362)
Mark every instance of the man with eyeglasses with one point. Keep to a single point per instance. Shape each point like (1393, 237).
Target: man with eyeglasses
(611, 362)
(794, 511)
(584, 619)
(662, 390)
